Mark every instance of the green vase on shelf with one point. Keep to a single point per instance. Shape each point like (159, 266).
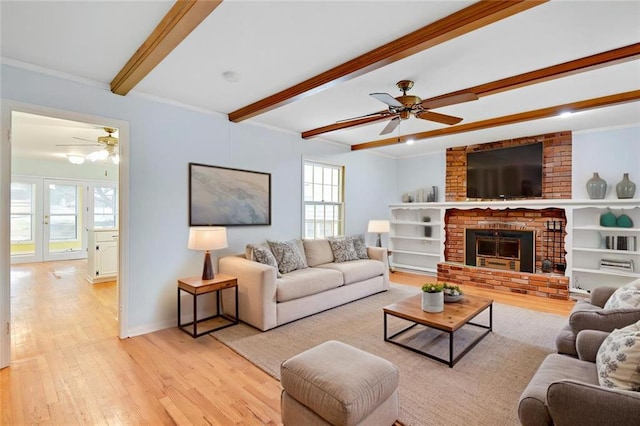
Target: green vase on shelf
(625, 188)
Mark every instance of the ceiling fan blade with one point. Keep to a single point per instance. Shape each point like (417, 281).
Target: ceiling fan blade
(79, 144)
(382, 115)
(83, 139)
(439, 118)
(391, 126)
(449, 100)
(387, 99)
(363, 116)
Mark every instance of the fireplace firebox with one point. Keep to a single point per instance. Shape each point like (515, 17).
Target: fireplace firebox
(500, 249)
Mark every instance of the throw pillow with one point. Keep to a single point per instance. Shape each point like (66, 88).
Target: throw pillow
(360, 245)
(618, 359)
(626, 297)
(343, 249)
(263, 255)
(287, 255)
(317, 252)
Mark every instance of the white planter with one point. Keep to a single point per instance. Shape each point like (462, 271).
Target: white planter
(432, 302)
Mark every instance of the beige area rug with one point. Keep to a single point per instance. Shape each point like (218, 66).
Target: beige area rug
(481, 389)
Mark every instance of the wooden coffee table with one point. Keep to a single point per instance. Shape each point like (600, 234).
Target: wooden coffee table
(455, 316)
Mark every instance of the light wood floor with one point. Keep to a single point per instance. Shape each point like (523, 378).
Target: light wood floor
(69, 367)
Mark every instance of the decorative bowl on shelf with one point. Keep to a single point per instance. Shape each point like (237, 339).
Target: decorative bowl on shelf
(448, 298)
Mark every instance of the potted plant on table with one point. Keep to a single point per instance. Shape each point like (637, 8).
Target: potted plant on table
(452, 293)
(432, 297)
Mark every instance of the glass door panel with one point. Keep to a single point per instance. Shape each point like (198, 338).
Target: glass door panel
(25, 225)
(63, 231)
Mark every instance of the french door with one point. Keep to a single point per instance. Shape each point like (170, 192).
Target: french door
(47, 220)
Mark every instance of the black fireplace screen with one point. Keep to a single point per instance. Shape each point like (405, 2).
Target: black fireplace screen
(512, 245)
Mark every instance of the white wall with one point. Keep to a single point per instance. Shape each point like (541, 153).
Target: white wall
(163, 139)
(610, 153)
(419, 172)
(58, 169)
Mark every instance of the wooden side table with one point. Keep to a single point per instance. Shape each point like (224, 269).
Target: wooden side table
(197, 286)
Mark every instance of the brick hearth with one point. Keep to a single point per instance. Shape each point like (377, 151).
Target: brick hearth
(545, 285)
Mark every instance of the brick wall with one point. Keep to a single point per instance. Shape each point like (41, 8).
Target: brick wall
(544, 285)
(457, 221)
(556, 169)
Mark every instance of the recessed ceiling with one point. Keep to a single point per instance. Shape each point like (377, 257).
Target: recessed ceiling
(271, 46)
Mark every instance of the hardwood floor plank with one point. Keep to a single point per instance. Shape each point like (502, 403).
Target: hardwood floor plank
(69, 367)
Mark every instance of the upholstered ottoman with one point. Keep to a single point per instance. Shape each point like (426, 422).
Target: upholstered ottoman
(337, 384)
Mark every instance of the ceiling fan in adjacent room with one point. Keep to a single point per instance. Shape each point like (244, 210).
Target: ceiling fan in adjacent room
(109, 144)
(402, 108)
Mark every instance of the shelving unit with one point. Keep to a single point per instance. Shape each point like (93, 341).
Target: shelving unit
(589, 246)
(416, 244)
(584, 241)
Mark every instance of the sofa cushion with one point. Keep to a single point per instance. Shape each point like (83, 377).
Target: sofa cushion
(288, 255)
(356, 270)
(343, 249)
(618, 359)
(305, 282)
(265, 255)
(360, 245)
(626, 297)
(317, 252)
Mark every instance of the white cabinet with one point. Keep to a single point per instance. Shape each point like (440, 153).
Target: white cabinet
(416, 237)
(605, 255)
(102, 255)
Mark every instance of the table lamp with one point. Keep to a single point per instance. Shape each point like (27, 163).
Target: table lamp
(207, 238)
(379, 227)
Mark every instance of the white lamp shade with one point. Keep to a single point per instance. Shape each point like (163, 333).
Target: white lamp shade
(378, 226)
(207, 238)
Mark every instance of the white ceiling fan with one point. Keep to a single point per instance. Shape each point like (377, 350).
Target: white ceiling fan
(109, 144)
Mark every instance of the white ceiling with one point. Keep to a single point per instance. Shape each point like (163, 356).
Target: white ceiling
(273, 45)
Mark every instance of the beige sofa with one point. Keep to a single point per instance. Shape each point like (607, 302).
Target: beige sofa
(267, 299)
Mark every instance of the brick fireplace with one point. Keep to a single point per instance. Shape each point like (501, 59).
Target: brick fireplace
(504, 248)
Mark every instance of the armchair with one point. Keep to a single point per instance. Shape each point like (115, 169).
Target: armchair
(566, 391)
(591, 315)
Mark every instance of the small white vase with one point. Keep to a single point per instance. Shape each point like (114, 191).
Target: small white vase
(432, 302)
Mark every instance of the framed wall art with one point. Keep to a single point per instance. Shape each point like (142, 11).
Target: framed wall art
(220, 196)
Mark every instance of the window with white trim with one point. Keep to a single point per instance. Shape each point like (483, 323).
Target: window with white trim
(323, 201)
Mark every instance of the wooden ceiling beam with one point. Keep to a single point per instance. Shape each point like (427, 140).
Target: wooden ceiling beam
(588, 63)
(462, 22)
(565, 69)
(183, 17)
(601, 102)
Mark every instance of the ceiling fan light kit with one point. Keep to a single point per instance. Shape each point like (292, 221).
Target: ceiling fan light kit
(75, 159)
(109, 145)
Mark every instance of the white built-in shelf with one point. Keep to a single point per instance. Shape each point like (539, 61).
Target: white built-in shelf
(418, 253)
(414, 267)
(398, 237)
(605, 229)
(606, 251)
(414, 222)
(607, 272)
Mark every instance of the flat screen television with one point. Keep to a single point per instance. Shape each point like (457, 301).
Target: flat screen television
(514, 172)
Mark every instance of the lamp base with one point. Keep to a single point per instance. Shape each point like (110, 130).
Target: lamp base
(207, 271)
(379, 241)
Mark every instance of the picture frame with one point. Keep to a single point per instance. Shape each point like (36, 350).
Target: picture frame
(222, 196)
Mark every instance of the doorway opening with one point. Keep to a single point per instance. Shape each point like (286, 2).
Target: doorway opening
(52, 205)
